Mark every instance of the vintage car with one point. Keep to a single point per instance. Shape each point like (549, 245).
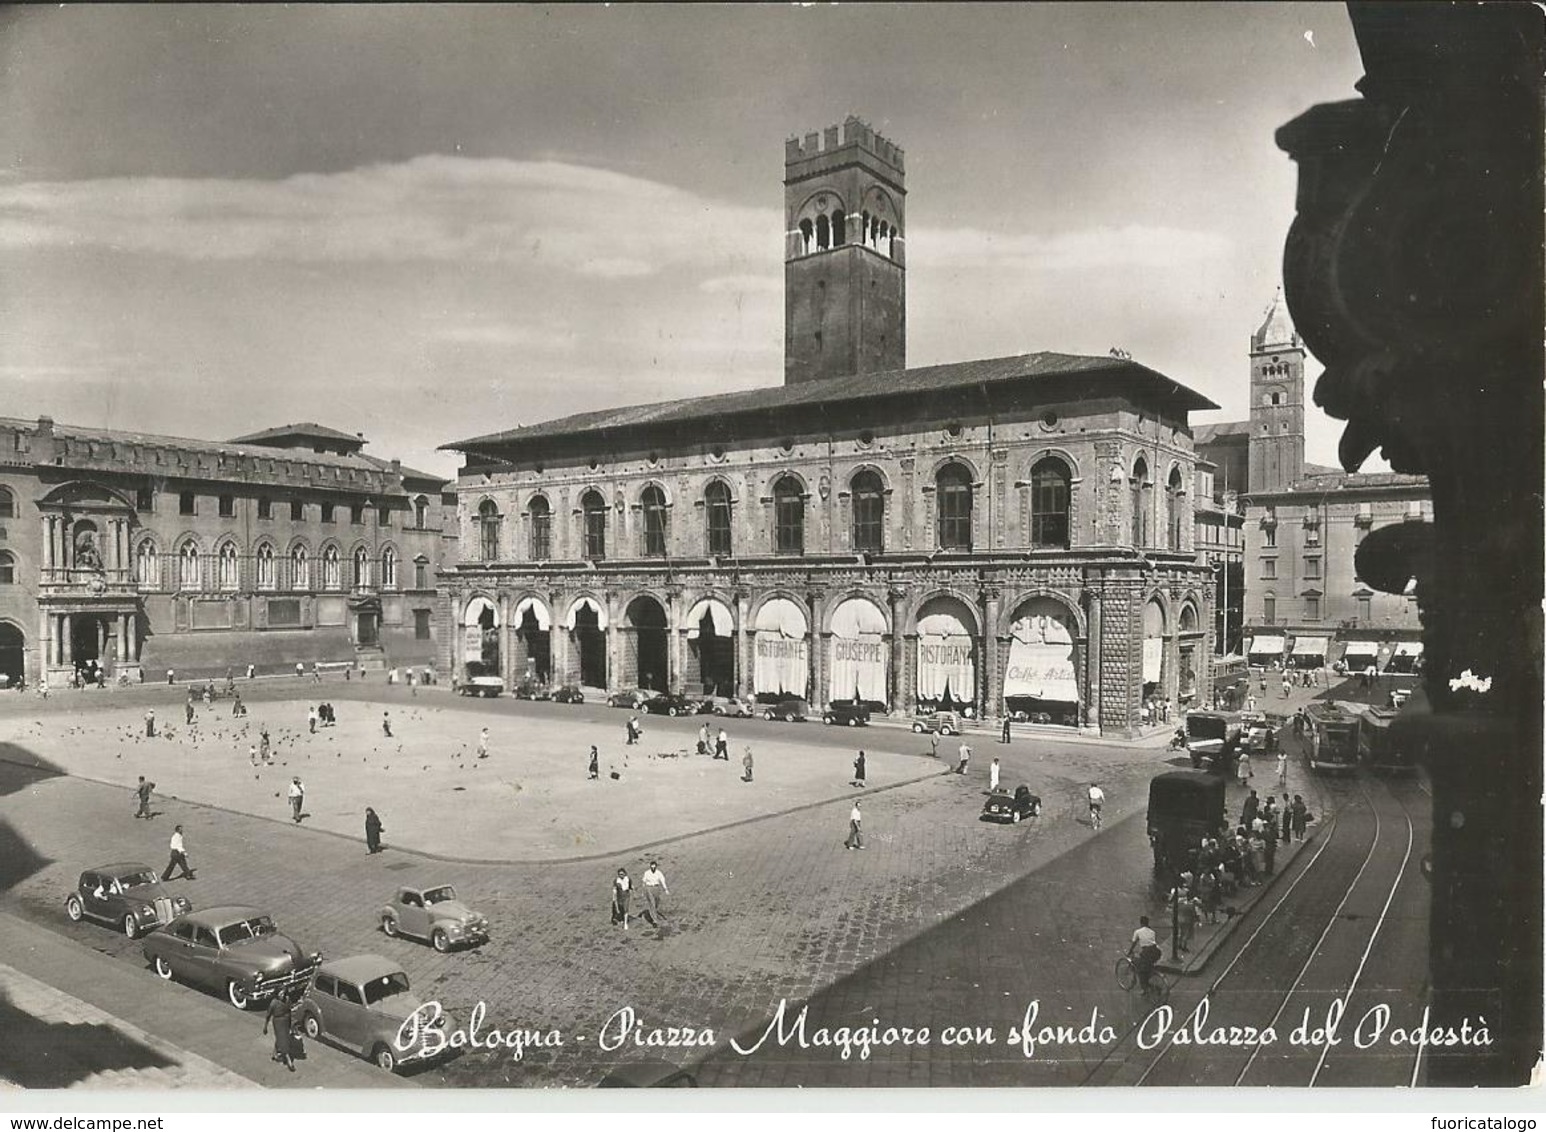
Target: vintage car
(847, 712)
(940, 723)
(631, 698)
(232, 949)
(1212, 738)
(435, 915)
(569, 694)
(1185, 806)
(480, 686)
(670, 703)
(533, 690)
(732, 708)
(131, 897)
(790, 709)
(366, 1004)
(1003, 807)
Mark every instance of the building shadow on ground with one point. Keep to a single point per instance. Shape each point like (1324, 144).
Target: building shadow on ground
(54, 1055)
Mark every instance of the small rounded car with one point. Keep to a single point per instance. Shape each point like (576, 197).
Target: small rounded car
(233, 949)
(366, 1004)
(631, 698)
(792, 709)
(130, 896)
(941, 722)
(732, 708)
(569, 694)
(489, 686)
(533, 690)
(846, 712)
(435, 915)
(1003, 807)
(669, 703)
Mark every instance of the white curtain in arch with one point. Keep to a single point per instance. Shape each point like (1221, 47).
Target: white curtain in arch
(947, 658)
(859, 654)
(538, 610)
(781, 651)
(719, 614)
(472, 629)
(1153, 642)
(1041, 658)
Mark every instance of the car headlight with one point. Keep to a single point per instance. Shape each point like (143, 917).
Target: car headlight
(145, 911)
(180, 904)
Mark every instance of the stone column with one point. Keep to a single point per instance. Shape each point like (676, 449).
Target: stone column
(66, 640)
(743, 648)
(45, 643)
(991, 686)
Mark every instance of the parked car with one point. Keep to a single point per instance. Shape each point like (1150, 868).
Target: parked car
(790, 709)
(1003, 807)
(533, 690)
(365, 1003)
(670, 703)
(941, 722)
(435, 915)
(231, 948)
(847, 712)
(732, 708)
(631, 698)
(481, 686)
(131, 897)
(569, 694)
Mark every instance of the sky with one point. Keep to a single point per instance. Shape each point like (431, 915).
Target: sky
(427, 223)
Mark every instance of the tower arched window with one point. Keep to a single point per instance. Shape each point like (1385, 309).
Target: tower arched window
(1173, 510)
(839, 228)
(420, 512)
(1049, 503)
(389, 569)
(823, 233)
(361, 572)
(595, 510)
(653, 503)
(717, 518)
(300, 569)
(891, 241)
(147, 566)
(541, 529)
(332, 575)
(488, 530)
(188, 566)
(866, 228)
(267, 575)
(953, 492)
(1140, 502)
(788, 516)
(807, 235)
(869, 512)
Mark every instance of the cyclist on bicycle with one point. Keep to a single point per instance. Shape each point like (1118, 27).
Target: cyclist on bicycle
(1097, 798)
(1146, 945)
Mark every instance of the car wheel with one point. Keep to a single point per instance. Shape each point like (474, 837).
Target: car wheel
(383, 1056)
(946, 731)
(671, 712)
(441, 941)
(313, 1026)
(73, 908)
(767, 715)
(237, 994)
(917, 729)
(163, 968)
(389, 925)
(853, 722)
(130, 928)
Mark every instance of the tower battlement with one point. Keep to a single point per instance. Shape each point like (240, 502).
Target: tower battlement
(854, 133)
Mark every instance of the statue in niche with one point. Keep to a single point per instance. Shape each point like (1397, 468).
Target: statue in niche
(86, 556)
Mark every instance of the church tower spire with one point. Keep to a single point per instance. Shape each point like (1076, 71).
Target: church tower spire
(1277, 401)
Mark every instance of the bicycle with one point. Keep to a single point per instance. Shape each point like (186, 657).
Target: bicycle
(1158, 990)
(1095, 817)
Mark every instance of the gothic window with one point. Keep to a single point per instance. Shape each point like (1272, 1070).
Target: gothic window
(653, 504)
(361, 573)
(953, 489)
(300, 569)
(869, 507)
(716, 518)
(228, 568)
(7, 568)
(595, 509)
(788, 517)
(389, 569)
(266, 574)
(488, 530)
(1140, 499)
(823, 233)
(807, 234)
(147, 565)
(1173, 510)
(188, 566)
(839, 228)
(541, 529)
(332, 576)
(1049, 503)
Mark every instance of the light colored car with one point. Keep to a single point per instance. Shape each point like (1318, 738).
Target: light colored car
(366, 1004)
(435, 915)
(732, 708)
(233, 949)
(941, 722)
(131, 897)
(481, 686)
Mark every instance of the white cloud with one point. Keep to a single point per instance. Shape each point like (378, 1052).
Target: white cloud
(504, 336)
(1103, 247)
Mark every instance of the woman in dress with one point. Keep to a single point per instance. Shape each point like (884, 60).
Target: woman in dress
(622, 891)
(280, 1016)
(372, 831)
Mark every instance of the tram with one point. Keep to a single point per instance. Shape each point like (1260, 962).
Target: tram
(1333, 739)
(1376, 748)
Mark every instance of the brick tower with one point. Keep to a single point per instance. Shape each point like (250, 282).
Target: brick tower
(1277, 402)
(845, 308)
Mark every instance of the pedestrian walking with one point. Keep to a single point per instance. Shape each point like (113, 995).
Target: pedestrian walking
(188, 710)
(1282, 768)
(265, 745)
(654, 889)
(252, 753)
(622, 892)
(373, 831)
(595, 765)
(483, 743)
(150, 723)
(722, 745)
(1248, 811)
(280, 1015)
(386, 724)
(179, 857)
(300, 670)
(1187, 909)
(1250, 703)
(238, 708)
(858, 779)
(297, 799)
(703, 739)
(171, 676)
(252, 671)
(993, 776)
(633, 730)
(1287, 686)
(1243, 767)
(1287, 818)
(312, 715)
(142, 791)
(965, 756)
(855, 832)
(1301, 817)
(316, 672)
(1004, 735)
(746, 762)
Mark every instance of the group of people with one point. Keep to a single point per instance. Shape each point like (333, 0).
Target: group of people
(321, 715)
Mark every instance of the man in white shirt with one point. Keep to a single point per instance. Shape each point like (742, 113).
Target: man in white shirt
(855, 834)
(179, 859)
(993, 775)
(654, 889)
(1144, 951)
(1097, 800)
(966, 757)
(297, 799)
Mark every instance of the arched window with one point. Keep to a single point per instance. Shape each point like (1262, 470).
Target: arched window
(1173, 510)
(653, 504)
(7, 504)
(420, 512)
(421, 573)
(332, 577)
(869, 506)
(488, 530)
(7, 568)
(389, 569)
(807, 234)
(147, 566)
(953, 490)
(1049, 503)
(823, 233)
(188, 566)
(595, 509)
(788, 517)
(361, 573)
(1140, 501)
(839, 228)
(716, 518)
(268, 577)
(541, 529)
(300, 569)
(230, 577)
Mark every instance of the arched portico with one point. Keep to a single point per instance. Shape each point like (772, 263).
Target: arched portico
(709, 658)
(1044, 662)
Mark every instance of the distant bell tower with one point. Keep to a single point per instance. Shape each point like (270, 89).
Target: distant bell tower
(1277, 402)
(845, 293)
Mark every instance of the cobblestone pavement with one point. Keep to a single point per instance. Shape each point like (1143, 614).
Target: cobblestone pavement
(775, 909)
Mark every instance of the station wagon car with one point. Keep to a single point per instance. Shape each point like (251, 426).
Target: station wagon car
(232, 949)
(480, 686)
(732, 708)
(365, 1004)
(941, 722)
(433, 914)
(131, 897)
(533, 690)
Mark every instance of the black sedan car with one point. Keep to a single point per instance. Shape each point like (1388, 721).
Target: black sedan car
(669, 703)
(790, 710)
(131, 897)
(569, 694)
(847, 712)
(1004, 808)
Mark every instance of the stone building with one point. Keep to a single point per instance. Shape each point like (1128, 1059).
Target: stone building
(1012, 534)
(1220, 543)
(141, 553)
(1304, 601)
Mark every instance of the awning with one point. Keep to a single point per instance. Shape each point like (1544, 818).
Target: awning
(856, 617)
(1408, 648)
(1265, 645)
(476, 609)
(589, 603)
(1310, 646)
(947, 658)
(780, 615)
(540, 611)
(1041, 660)
(724, 622)
(781, 651)
(1360, 648)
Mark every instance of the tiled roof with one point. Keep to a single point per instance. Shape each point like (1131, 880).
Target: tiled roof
(1318, 477)
(859, 387)
(407, 472)
(1208, 433)
(303, 428)
(188, 444)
